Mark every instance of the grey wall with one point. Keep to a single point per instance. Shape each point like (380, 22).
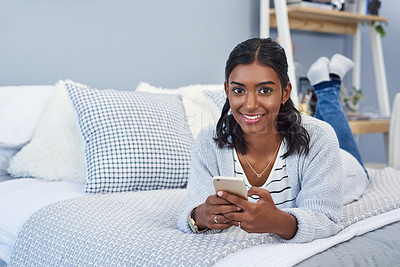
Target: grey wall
(166, 43)
(123, 42)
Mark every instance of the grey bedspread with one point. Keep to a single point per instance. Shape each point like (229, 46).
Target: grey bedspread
(121, 229)
(377, 248)
(139, 228)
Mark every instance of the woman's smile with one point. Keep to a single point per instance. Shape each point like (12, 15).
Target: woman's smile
(250, 119)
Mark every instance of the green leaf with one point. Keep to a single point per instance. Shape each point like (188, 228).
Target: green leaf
(379, 28)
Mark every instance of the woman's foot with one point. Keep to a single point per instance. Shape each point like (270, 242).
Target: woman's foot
(319, 71)
(339, 65)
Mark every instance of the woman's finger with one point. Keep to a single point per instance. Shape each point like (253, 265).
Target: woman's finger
(219, 222)
(231, 198)
(262, 193)
(215, 200)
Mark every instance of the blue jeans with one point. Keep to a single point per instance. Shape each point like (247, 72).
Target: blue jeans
(329, 109)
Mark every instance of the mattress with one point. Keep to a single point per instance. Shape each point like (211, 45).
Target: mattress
(5, 177)
(20, 198)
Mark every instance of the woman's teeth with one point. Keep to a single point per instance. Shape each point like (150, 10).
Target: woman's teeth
(252, 117)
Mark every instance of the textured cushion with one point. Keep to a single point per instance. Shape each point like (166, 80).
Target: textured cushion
(199, 113)
(56, 151)
(5, 155)
(134, 141)
(216, 100)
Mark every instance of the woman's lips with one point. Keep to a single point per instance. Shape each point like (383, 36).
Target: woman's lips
(249, 119)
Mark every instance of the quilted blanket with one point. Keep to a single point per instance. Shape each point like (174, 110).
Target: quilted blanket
(139, 228)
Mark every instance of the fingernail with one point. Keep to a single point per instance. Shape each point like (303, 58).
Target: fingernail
(219, 193)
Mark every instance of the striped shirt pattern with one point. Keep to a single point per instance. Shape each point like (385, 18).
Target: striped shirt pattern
(277, 182)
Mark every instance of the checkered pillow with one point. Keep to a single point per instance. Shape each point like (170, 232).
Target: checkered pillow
(216, 100)
(134, 141)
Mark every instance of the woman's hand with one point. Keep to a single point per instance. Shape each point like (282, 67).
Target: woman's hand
(260, 217)
(210, 213)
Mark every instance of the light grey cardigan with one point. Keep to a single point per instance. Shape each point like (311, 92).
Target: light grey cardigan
(316, 179)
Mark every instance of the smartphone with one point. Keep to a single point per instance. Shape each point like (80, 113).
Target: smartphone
(233, 185)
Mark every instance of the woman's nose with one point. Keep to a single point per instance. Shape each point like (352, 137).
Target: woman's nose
(251, 101)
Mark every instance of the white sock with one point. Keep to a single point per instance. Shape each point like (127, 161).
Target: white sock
(340, 65)
(318, 71)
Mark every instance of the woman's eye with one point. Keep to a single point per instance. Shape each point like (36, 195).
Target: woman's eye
(238, 90)
(265, 90)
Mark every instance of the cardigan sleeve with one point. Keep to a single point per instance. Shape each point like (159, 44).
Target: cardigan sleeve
(203, 165)
(320, 174)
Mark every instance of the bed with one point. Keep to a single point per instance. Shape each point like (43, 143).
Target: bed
(97, 177)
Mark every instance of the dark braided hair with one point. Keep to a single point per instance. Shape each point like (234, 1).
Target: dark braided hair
(288, 122)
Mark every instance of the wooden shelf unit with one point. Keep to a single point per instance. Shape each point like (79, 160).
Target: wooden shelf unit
(320, 20)
(369, 126)
(287, 17)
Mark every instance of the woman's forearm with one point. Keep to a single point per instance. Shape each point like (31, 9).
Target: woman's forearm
(286, 225)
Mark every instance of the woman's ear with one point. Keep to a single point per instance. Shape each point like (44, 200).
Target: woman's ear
(226, 88)
(286, 93)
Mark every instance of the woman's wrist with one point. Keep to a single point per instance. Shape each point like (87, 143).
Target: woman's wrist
(195, 227)
(286, 225)
(198, 218)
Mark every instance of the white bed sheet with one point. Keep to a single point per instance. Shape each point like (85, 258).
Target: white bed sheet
(289, 254)
(21, 198)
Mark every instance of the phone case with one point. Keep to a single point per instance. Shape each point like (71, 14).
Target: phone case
(233, 185)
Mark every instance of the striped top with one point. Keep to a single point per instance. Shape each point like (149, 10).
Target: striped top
(277, 183)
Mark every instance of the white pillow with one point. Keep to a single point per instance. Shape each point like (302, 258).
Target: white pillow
(216, 100)
(394, 133)
(134, 140)
(196, 94)
(199, 111)
(5, 155)
(20, 110)
(56, 151)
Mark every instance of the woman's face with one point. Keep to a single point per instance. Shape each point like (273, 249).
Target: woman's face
(255, 95)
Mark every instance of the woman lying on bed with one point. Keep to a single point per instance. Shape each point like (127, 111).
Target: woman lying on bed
(292, 164)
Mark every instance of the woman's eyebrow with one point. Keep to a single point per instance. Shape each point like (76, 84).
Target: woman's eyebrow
(265, 83)
(258, 84)
(240, 84)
